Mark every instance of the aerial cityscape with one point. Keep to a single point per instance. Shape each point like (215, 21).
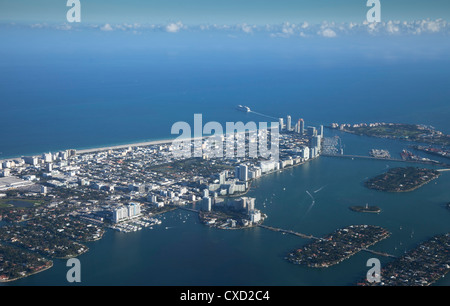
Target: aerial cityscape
(225, 149)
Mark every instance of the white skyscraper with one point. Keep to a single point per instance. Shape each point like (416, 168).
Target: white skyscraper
(281, 123)
(288, 123)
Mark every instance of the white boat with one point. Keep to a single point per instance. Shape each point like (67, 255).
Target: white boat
(243, 108)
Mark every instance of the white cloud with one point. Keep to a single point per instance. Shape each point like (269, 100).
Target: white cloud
(107, 27)
(246, 28)
(329, 33)
(174, 27)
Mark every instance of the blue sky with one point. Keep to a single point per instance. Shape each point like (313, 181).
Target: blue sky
(220, 11)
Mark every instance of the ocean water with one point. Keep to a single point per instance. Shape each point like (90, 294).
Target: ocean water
(82, 89)
(181, 251)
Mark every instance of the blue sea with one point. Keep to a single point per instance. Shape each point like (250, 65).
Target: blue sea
(87, 88)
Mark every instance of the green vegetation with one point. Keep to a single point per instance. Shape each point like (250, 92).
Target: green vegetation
(421, 266)
(19, 203)
(402, 179)
(410, 132)
(338, 246)
(16, 263)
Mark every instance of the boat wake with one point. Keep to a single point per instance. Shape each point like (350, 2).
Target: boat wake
(312, 204)
(320, 189)
(264, 115)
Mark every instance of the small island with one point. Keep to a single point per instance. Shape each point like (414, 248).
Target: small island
(338, 246)
(366, 209)
(402, 179)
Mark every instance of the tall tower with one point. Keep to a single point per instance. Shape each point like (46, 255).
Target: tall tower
(302, 126)
(281, 123)
(288, 123)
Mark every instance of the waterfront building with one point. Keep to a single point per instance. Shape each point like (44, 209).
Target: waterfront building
(321, 131)
(134, 209)
(288, 123)
(302, 127)
(206, 204)
(281, 123)
(31, 160)
(312, 131)
(47, 157)
(305, 153)
(255, 216)
(316, 142)
(119, 214)
(243, 173)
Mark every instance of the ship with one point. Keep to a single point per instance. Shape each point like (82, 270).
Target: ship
(243, 108)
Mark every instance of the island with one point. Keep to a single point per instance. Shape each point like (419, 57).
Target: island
(402, 179)
(408, 132)
(421, 266)
(337, 246)
(366, 209)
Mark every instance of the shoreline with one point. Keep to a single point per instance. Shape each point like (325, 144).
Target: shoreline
(30, 274)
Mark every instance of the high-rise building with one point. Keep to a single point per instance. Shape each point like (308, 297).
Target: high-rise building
(312, 131)
(47, 157)
(243, 173)
(250, 205)
(31, 160)
(316, 142)
(321, 131)
(281, 123)
(222, 177)
(206, 204)
(134, 209)
(288, 123)
(205, 193)
(302, 127)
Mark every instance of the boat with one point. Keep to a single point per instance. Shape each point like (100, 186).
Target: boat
(243, 108)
